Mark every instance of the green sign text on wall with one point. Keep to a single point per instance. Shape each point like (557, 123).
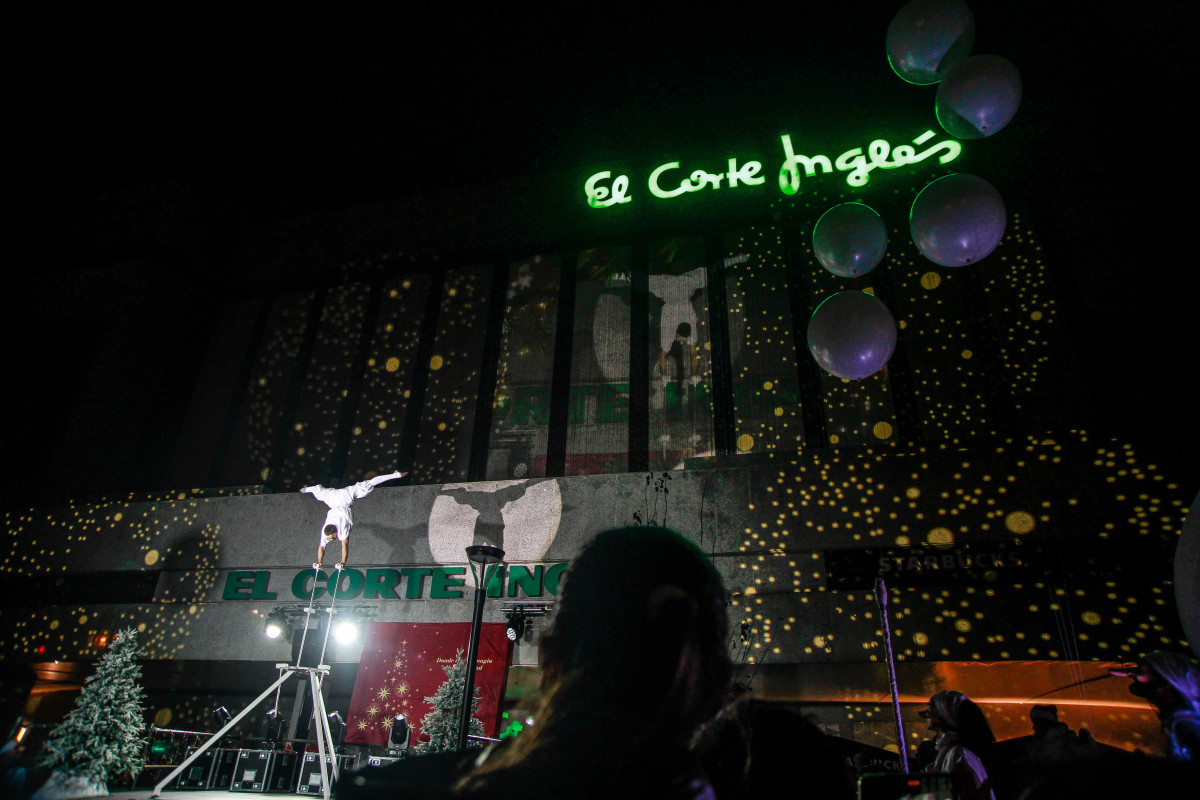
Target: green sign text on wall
(385, 584)
(603, 190)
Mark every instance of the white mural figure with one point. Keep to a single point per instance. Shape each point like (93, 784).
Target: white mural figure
(520, 517)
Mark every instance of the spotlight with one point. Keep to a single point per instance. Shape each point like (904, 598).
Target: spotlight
(337, 726)
(399, 735)
(276, 727)
(275, 625)
(516, 626)
(346, 631)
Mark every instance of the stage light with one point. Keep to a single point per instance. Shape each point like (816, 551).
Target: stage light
(346, 631)
(275, 625)
(337, 726)
(399, 735)
(276, 726)
(516, 626)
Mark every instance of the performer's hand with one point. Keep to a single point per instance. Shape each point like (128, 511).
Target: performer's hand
(338, 566)
(307, 489)
(316, 565)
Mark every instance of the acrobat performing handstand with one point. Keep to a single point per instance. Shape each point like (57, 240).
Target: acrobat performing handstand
(339, 521)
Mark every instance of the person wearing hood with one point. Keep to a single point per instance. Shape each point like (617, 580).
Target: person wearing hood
(962, 734)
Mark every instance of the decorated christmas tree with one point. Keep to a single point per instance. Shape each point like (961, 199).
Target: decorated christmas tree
(440, 726)
(103, 735)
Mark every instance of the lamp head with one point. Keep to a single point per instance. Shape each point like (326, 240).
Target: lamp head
(485, 554)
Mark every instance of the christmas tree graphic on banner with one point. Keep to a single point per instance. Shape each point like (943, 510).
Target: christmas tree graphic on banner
(403, 664)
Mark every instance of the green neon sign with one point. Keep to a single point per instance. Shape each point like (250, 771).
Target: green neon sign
(603, 190)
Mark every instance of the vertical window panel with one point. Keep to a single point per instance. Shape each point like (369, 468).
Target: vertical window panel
(312, 437)
(259, 418)
(766, 391)
(598, 413)
(681, 419)
(521, 404)
(386, 391)
(447, 419)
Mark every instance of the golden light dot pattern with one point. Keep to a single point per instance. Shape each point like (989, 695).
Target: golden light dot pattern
(452, 391)
(384, 396)
(964, 548)
(766, 390)
(275, 367)
(322, 399)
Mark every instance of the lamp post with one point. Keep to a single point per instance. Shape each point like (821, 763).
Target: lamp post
(488, 559)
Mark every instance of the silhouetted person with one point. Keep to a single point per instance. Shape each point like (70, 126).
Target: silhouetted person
(766, 750)
(628, 678)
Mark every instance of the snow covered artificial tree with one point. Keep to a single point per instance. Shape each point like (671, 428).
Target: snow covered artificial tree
(440, 725)
(104, 734)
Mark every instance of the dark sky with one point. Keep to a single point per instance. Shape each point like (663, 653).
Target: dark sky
(273, 115)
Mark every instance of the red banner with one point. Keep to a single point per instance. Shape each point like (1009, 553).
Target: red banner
(403, 663)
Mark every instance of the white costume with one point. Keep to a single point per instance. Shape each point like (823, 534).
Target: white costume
(339, 502)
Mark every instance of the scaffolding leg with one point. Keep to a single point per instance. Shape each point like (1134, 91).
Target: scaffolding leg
(322, 732)
(217, 736)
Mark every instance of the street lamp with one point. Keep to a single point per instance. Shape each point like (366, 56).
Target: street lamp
(488, 559)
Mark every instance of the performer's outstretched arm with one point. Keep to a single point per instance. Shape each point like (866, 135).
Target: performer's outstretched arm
(320, 557)
(345, 554)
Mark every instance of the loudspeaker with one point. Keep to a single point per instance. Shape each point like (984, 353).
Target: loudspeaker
(212, 770)
(310, 771)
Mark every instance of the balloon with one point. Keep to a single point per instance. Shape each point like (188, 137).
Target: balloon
(957, 220)
(852, 335)
(1187, 576)
(928, 37)
(978, 97)
(850, 240)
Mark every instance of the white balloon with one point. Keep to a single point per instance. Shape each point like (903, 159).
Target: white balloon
(928, 37)
(957, 220)
(978, 97)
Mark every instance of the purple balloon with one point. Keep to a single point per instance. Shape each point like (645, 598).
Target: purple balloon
(852, 335)
(957, 220)
(850, 239)
(928, 37)
(978, 97)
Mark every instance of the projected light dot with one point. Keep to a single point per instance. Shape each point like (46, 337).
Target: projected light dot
(921, 638)
(882, 430)
(436, 362)
(1090, 618)
(962, 625)
(941, 536)
(392, 364)
(151, 558)
(54, 625)
(745, 442)
(1019, 522)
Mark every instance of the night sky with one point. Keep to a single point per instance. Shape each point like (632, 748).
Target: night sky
(263, 116)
